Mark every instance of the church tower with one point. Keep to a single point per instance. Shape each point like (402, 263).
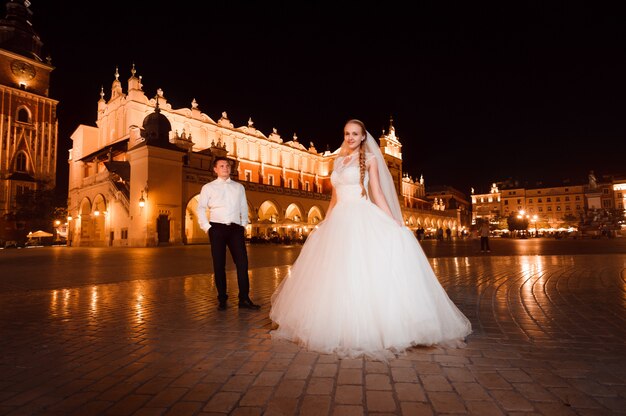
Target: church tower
(392, 152)
(28, 121)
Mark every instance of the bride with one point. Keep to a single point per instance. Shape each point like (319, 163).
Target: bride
(362, 285)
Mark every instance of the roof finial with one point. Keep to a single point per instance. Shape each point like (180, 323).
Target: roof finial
(156, 99)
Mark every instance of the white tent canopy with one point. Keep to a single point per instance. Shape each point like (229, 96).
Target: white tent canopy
(39, 233)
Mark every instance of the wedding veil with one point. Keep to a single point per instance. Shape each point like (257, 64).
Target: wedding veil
(385, 179)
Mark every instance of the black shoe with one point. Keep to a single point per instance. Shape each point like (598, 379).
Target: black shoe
(247, 304)
(221, 306)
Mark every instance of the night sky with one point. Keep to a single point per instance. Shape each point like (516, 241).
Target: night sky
(478, 93)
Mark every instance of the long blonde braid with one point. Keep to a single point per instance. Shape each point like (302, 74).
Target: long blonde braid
(362, 167)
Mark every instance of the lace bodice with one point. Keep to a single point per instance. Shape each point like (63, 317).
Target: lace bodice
(346, 177)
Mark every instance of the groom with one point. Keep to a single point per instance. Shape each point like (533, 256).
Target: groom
(226, 201)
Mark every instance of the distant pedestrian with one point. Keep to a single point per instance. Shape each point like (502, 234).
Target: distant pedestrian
(484, 232)
(420, 233)
(439, 234)
(448, 234)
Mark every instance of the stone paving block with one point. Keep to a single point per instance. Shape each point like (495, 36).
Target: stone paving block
(282, 406)
(512, 401)
(151, 411)
(154, 385)
(349, 395)
(345, 410)
(458, 374)
(268, 378)
(403, 375)
(492, 380)
(534, 392)
(222, 402)
(279, 364)
(409, 392)
(446, 402)
(238, 383)
(289, 389)
(320, 385)
(93, 407)
(428, 368)
(298, 371)
(247, 411)
(380, 401)
(556, 409)
(416, 409)
(71, 402)
(127, 405)
(350, 376)
(167, 397)
(256, 396)
(574, 398)
(251, 368)
(325, 370)
(471, 391)
(435, 383)
(351, 363)
(484, 408)
(315, 405)
(376, 367)
(201, 392)
(377, 382)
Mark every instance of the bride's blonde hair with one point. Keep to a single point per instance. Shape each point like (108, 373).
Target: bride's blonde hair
(344, 152)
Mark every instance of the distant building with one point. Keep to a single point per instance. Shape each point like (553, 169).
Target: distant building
(452, 199)
(28, 120)
(550, 206)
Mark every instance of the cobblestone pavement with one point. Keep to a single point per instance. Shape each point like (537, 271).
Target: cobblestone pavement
(549, 339)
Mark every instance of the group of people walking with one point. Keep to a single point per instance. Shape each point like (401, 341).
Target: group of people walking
(361, 285)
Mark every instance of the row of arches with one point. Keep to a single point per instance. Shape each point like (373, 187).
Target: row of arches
(99, 222)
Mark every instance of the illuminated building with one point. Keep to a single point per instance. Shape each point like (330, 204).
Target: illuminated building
(28, 123)
(135, 177)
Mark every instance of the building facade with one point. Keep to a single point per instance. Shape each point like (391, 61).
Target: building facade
(552, 207)
(135, 177)
(28, 121)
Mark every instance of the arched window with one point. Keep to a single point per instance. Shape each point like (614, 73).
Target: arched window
(20, 162)
(23, 116)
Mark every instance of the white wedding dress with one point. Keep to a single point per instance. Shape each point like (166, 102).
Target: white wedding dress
(362, 285)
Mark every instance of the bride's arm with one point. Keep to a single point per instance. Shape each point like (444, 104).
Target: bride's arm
(333, 201)
(376, 193)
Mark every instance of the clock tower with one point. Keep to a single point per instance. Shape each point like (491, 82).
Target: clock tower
(28, 122)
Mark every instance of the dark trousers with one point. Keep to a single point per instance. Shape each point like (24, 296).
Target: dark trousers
(484, 243)
(231, 236)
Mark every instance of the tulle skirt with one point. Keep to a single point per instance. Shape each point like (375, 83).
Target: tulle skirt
(362, 286)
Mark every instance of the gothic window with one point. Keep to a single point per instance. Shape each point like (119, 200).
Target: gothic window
(20, 162)
(23, 115)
